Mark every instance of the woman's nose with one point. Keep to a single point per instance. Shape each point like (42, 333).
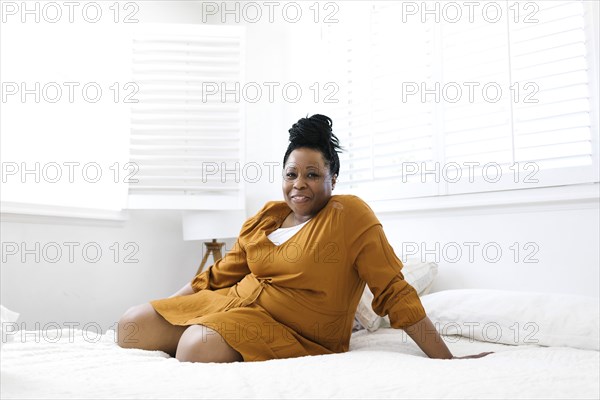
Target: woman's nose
(299, 183)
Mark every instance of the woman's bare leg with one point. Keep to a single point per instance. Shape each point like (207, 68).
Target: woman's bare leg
(141, 327)
(202, 344)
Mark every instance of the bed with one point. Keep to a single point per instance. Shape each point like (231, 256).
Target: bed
(545, 346)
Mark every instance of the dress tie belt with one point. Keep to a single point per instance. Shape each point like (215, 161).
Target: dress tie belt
(253, 296)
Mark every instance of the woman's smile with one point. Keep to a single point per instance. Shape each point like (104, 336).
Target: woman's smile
(299, 199)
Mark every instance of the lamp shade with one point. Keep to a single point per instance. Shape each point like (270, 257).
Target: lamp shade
(207, 225)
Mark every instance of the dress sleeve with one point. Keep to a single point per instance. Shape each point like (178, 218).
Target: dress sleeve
(378, 265)
(225, 272)
(232, 268)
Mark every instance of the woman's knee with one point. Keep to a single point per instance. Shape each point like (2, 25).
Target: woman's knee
(141, 327)
(130, 322)
(202, 344)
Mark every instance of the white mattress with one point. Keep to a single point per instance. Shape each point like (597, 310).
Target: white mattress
(380, 365)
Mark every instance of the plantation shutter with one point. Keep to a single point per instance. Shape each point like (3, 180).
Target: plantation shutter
(556, 133)
(186, 141)
(382, 131)
(538, 130)
(475, 105)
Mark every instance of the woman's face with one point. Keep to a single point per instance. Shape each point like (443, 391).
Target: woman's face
(307, 183)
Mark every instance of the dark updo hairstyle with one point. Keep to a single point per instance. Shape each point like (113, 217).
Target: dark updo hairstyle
(316, 133)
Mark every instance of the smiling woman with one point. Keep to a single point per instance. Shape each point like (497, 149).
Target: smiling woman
(294, 296)
(311, 166)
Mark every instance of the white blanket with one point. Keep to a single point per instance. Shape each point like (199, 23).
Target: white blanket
(382, 364)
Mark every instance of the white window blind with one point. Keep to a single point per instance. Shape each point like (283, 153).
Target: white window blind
(540, 131)
(366, 59)
(558, 132)
(186, 134)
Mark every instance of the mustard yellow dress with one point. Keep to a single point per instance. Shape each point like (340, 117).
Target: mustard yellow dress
(298, 298)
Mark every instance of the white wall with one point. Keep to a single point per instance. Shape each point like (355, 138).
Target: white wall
(564, 251)
(62, 289)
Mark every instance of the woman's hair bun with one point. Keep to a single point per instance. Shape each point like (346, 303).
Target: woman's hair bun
(316, 132)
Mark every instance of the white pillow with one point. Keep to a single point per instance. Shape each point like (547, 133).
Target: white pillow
(516, 317)
(419, 275)
(6, 317)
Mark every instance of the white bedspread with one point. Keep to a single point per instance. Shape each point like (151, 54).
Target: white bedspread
(380, 365)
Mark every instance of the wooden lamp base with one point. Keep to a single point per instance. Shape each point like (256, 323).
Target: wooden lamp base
(213, 248)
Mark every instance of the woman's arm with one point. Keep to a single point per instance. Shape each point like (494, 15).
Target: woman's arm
(224, 273)
(184, 291)
(378, 265)
(431, 343)
(428, 339)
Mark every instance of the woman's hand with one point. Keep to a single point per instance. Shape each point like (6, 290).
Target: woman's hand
(426, 336)
(473, 355)
(429, 340)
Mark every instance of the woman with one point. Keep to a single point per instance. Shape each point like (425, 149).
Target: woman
(291, 284)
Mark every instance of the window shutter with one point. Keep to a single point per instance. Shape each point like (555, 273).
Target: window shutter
(187, 142)
(381, 130)
(403, 128)
(540, 132)
(475, 124)
(556, 132)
